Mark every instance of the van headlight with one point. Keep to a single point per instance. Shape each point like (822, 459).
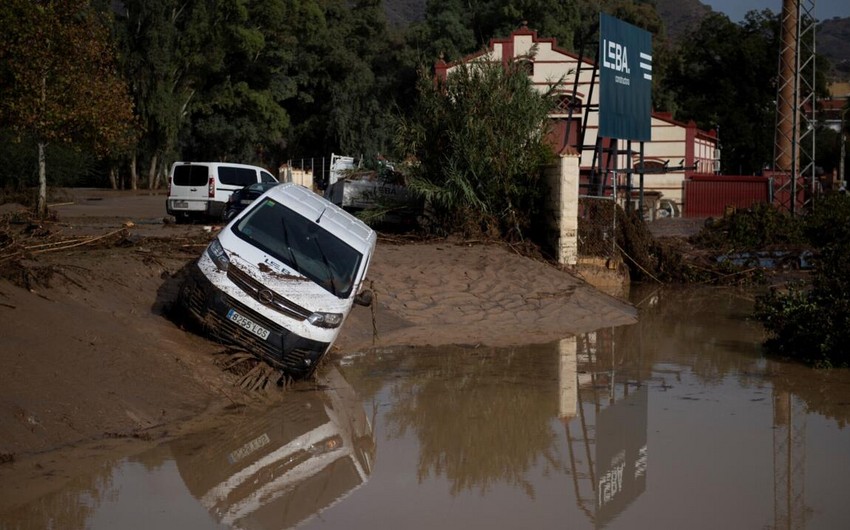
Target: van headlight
(325, 320)
(217, 254)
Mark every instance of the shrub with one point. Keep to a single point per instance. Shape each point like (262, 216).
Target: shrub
(480, 143)
(811, 323)
(761, 226)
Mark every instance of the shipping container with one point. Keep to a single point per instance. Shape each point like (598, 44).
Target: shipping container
(712, 195)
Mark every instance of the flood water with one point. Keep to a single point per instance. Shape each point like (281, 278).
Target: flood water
(675, 422)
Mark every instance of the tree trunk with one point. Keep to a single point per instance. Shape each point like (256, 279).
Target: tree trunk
(113, 178)
(42, 182)
(152, 171)
(41, 204)
(134, 173)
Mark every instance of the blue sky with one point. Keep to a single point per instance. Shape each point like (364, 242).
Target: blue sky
(736, 9)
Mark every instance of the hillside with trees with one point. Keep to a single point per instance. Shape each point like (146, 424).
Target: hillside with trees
(833, 42)
(266, 81)
(681, 17)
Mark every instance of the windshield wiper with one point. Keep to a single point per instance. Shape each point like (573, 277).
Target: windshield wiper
(327, 265)
(286, 242)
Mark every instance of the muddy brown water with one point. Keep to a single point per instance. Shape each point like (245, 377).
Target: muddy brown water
(678, 421)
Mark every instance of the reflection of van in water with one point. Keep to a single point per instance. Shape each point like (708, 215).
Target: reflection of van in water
(276, 470)
(280, 279)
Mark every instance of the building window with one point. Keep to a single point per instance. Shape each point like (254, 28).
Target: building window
(525, 66)
(565, 103)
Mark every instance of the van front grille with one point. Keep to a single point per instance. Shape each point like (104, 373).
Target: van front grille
(265, 296)
(229, 329)
(297, 356)
(294, 361)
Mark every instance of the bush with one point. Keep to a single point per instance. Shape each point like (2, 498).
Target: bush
(759, 227)
(806, 324)
(480, 141)
(811, 323)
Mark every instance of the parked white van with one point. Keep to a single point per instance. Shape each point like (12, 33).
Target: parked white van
(201, 189)
(280, 279)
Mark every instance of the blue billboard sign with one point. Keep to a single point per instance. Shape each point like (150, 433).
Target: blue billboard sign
(625, 80)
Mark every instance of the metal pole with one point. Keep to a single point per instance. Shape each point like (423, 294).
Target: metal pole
(629, 165)
(640, 202)
(614, 197)
(843, 147)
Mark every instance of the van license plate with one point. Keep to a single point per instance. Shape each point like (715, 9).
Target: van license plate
(248, 324)
(183, 205)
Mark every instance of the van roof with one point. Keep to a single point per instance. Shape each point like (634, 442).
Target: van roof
(217, 164)
(330, 216)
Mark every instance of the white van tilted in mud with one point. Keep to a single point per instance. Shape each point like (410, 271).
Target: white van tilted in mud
(201, 189)
(281, 277)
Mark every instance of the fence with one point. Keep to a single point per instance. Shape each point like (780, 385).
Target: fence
(597, 227)
(711, 195)
(318, 168)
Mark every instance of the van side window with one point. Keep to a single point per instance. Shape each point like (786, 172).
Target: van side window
(265, 177)
(236, 176)
(190, 175)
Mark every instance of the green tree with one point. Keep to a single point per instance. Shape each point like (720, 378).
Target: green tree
(811, 323)
(480, 141)
(243, 80)
(452, 29)
(58, 80)
(350, 71)
(550, 18)
(160, 57)
(308, 132)
(724, 79)
(458, 28)
(448, 30)
(360, 111)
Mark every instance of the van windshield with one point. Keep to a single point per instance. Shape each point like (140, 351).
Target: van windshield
(301, 244)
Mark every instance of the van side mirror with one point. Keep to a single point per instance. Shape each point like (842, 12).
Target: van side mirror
(364, 298)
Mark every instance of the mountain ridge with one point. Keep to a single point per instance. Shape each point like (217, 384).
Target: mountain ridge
(680, 17)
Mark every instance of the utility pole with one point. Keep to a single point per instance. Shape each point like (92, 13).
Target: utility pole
(843, 136)
(794, 141)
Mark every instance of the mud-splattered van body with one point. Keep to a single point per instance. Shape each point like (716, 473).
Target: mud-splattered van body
(281, 278)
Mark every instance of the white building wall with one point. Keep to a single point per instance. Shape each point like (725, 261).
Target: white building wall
(669, 139)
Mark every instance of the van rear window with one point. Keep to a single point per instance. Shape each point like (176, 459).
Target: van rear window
(236, 176)
(191, 175)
